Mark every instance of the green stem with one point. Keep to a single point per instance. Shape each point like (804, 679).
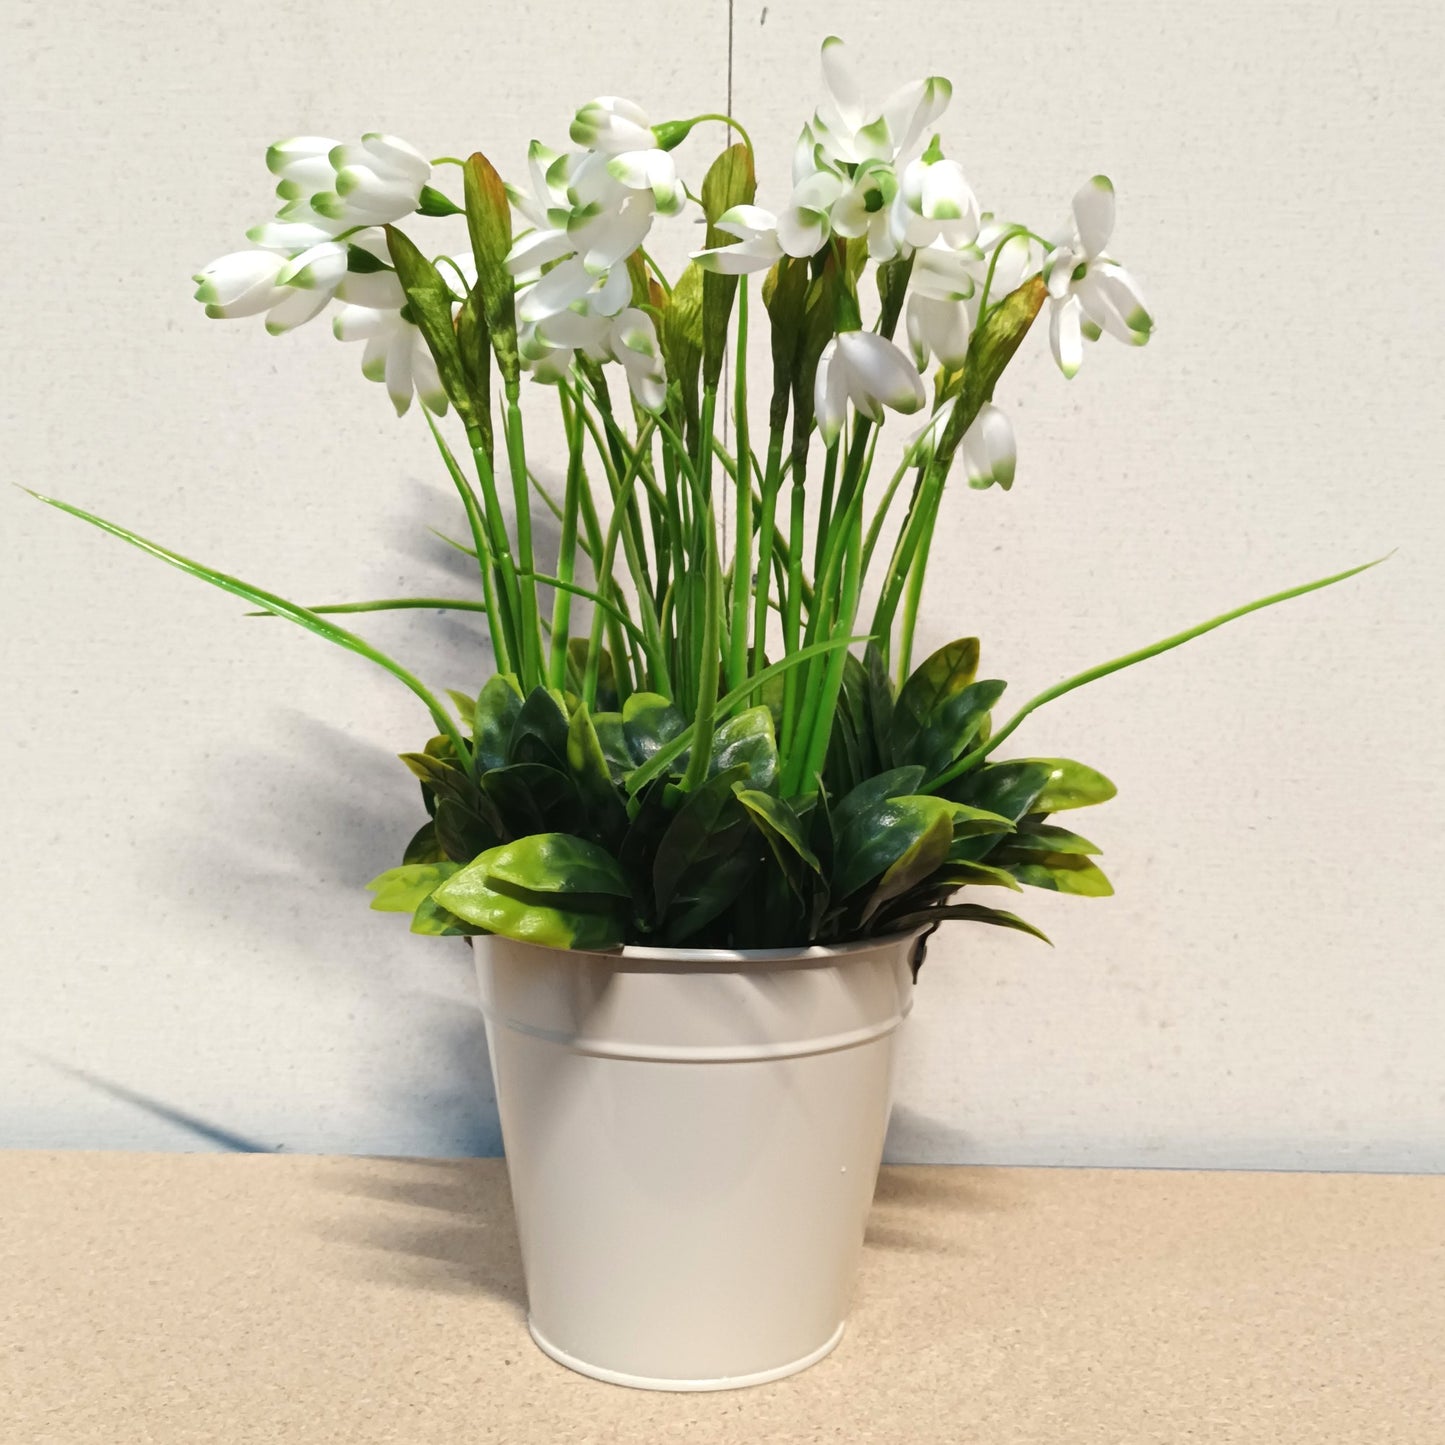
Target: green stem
(501, 547)
(496, 619)
(767, 531)
(528, 623)
(969, 760)
(737, 658)
(566, 550)
(914, 592)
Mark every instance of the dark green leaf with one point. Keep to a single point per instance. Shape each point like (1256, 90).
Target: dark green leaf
(943, 675)
(432, 202)
(539, 734)
(872, 840)
(708, 826)
(424, 847)
(531, 798)
(494, 718)
(1036, 836)
(970, 913)
(895, 783)
(923, 857)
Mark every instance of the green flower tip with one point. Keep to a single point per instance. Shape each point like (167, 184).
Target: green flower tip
(934, 153)
(275, 158)
(374, 370)
(216, 313)
(829, 41)
(939, 85)
(276, 328)
(1102, 183)
(205, 288)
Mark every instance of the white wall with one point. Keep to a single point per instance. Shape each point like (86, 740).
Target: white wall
(192, 800)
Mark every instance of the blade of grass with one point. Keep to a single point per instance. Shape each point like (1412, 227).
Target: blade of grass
(1129, 659)
(291, 611)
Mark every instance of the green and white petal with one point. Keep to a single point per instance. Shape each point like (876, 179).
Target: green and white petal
(289, 237)
(572, 328)
(360, 323)
(295, 309)
(375, 198)
(1113, 301)
(911, 109)
(241, 283)
(565, 284)
(614, 235)
(634, 343)
(399, 357)
(380, 289)
(937, 328)
(395, 156)
(1065, 335)
(612, 124)
(990, 457)
(1094, 214)
(877, 372)
(830, 394)
(842, 87)
(425, 379)
(534, 250)
(1060, 268)
(298, 155)
(318, 268)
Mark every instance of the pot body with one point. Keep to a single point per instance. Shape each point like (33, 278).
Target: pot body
(692, 1138)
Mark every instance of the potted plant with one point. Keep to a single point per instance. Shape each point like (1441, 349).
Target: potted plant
(701, 818)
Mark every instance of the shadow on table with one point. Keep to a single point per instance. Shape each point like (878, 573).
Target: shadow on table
(442, 1225)
(914, 1205)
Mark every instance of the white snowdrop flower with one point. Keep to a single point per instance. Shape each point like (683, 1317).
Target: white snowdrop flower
(325, 271)
(934, 202)
(867, 370)
(547, 210)
(1089, 292)
(242, 283)
(395, 354)
(570, 286)
(863, 209)
(990, 457)
(853, 130)
(805, 225)
(756, 230)
(605, 234)
(938, 315)
(634, 343)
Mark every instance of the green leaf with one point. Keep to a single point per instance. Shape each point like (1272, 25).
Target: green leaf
(531, 797)
(400, 890)
(706, 828)
(943, 675)
(429, 300)
(747, 739)
(432, 202)
(612, 738)
(1036, 836)
(872, 840)
(424, 846)
(473, 346)
(539, 734)
(954, 727)
(782, 829)
(681, 339)
(493, 719)
(1071, 785)
(1063, 873)
(1010, 789)
(557, 863)
(881, 704)
(895, 783)
(489, 224)
(466, 706)
(974, 875)
(550, 888)
(649, 722)
(435, 921)
(970, 913)
(590, 771)
(923, 857)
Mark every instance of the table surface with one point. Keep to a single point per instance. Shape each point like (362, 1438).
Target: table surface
(151, 1299)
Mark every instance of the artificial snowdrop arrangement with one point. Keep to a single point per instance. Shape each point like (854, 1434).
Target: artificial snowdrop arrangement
(679, 743)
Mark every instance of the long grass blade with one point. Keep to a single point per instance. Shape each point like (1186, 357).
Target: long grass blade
(1129, 659)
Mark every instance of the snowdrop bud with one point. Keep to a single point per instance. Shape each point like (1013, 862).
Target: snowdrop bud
(612, 125)
(242, 283)
(989, 454)
(634, 343)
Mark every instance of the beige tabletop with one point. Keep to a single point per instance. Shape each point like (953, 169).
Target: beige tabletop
(161, 1299)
